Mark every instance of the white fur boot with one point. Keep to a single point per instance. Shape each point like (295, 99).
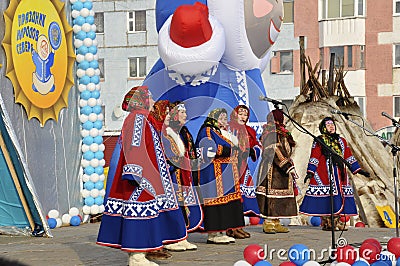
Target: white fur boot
(139, 259)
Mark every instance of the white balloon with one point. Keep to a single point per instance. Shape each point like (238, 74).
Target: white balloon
(102, 162)
(95, 42)
(83, 118)
(85, 177)
(98, 87)
(94, 132)
(92, 117)
(92, 12)
(86, 27)
(72, 1)
(342, 264)
(80, 73)
(75, 13)
(96, 57)
(85, 133)
(90, 72)
(102, 147)
(85, 148)
(83, 102)
(79, 58)
(91, 86)
(101, 208)
(85, 12)
(89, 57)
(94, 177)
(102, 192)
(59, 222)
(94, 147)
(88, 42)
(94, 29)
(92, 102)
(94, 162)
(81, 87)
(74, 211)
(83, 1)
(66, 218)
(311, 263)
(99, 102)
(94, 209)
(86, 209)
(84, 163)
(102, 176)
(100, 117)
(97, 72)
(53, 214)
(76, 28)
(241, 263)
(94, 193)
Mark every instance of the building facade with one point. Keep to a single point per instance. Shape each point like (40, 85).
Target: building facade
(364, 34)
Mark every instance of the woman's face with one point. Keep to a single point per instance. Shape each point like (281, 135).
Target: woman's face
(242, 116)
(182, 117)
(167, 117)
(222, 121)
(330, 126)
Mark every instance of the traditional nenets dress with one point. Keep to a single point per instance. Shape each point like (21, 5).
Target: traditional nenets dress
(142, 203)
(317, 201)
(219, 180)
(276, 185)
(181, 167)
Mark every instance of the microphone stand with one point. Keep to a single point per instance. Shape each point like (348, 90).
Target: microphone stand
(394, 150)
(331, 153)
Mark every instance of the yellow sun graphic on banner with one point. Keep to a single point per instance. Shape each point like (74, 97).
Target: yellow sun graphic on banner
(40, 56)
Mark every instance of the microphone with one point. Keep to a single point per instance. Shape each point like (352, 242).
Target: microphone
(334, 111)
(394, 121)
(264, 98)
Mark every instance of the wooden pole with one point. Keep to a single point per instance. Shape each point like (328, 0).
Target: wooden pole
(302, 63)
(331, 68)
(16, 181)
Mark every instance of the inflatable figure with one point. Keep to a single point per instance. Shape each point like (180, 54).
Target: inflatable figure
(213, 53)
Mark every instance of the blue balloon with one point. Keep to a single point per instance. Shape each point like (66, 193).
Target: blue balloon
(86, 95)
(86, 110)
(77, 6)
(98, 139)
(52, 223)
(89, 201)
(89, 185)
(84, 65)
(99, 200)
(99, 185)
(299, 254)
(398, 262)
(94, 64)
(88, 5)
(92, 49)
(96, 109)
(81, 35)
(98, 124)
(315, 221)
(380, 263)
(95, 79)
(91, 35)
(99, 155)
(360, 263)
(263, 263)
(95, 94)
(99, 170)
(88, 125)
(75, 220)
(90, 20)
(79, 20)
(89, 155)
(88, 140)
(82, 50)
(89, 170)
(85, 80)
(385, 259)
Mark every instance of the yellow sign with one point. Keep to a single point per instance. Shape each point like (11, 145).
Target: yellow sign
(40, 56)
(387, 214)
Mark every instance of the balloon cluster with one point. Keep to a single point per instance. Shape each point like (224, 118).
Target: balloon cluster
(91, 116)
(369, 253)
(71, 218)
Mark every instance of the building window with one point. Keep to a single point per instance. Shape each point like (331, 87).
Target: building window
(137, 21)
(349, 56)
(99, 22)
(361, 103)
(396, 106)
(101, 67)
(137, 67)
(362, 56)
(339, 54)
(396, 55)
(288, 11)
(342, 8)
(396, 7)
(282, 62)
